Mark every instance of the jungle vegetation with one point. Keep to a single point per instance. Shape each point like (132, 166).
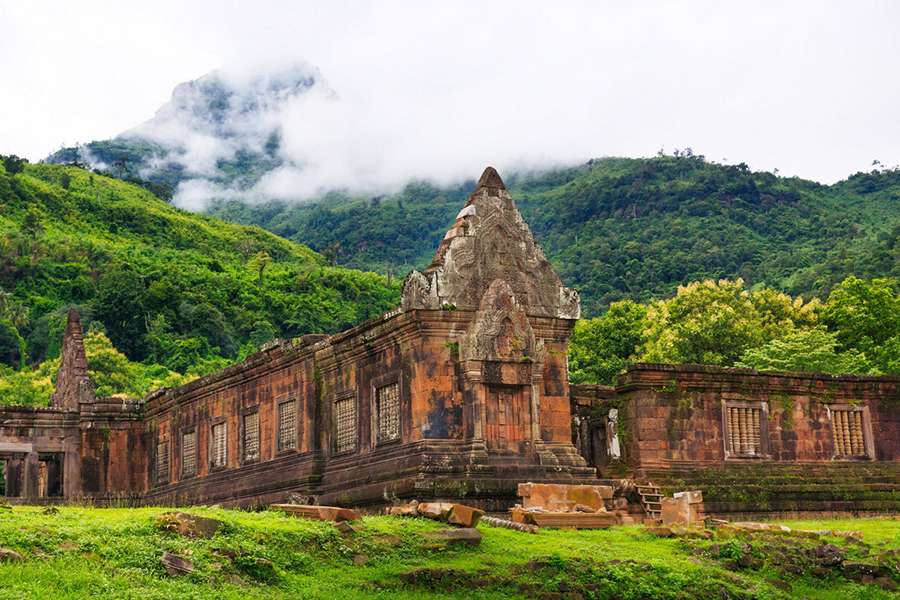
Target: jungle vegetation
(165, 293)
(629, 229)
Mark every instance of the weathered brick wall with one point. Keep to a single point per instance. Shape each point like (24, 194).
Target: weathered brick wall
(28, 433)
(672, 432)
(112, 449)
(440, 418)
(675, 413)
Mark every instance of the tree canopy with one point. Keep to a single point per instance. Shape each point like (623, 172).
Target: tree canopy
(724, 323)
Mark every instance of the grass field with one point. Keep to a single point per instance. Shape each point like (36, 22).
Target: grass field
(115, 553)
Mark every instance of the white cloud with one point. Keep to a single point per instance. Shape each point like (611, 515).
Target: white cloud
(438, 90)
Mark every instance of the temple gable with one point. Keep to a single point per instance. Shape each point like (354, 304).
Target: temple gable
(490, 241)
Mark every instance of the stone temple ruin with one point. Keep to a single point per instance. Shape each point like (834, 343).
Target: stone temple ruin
(460, 394)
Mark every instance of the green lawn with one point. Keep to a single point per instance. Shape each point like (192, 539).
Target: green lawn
(114, 553)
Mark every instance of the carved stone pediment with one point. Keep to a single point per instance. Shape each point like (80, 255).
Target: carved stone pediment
(419, 292)
(500, 331)
(491, 241)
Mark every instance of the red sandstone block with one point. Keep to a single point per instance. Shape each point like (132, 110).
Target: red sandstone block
(575, 520)
(465, 516)
(435, 510)
(319, 513)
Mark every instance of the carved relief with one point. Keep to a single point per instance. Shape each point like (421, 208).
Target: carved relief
(418, 292)
(500, 331)
(491, 241)
(569, 304)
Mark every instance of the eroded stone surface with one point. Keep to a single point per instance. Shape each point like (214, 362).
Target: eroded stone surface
(72, 382)
(319, 513)
(490, 241)
(176, 565)
(552, 496)
(464, 535)
(188, 525)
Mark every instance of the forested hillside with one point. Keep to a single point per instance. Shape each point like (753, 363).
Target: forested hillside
(619, 228)
(186, 292)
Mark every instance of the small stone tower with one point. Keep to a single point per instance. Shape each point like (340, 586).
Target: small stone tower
(73, 386)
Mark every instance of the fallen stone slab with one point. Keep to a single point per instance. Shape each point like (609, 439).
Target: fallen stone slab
(410, 509)
(176, 565)
(467, 536)
(573, 520)
(318, 513)
(464, 516)
(753, 526)
(439, 511)
(188, 525)
(806, 533)
(661, 531)
(854, 536)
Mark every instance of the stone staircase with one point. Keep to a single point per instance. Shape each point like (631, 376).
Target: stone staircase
(771, 489)
(651, 499)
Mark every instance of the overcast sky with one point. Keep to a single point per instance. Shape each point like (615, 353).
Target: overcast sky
(441, 88)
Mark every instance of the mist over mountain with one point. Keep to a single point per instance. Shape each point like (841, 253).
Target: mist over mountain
(218, 136)
(281, 149)
(286, 135)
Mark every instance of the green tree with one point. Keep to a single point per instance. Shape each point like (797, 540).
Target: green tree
(865, 315)
(603, 346)
(14, 164)
(12, 346)
(887, 358)
(119, 305)
(259, 263)
(779, 313)
(31, 224)
(814, 350)
(709, 322)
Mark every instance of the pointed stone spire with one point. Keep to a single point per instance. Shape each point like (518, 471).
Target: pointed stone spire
(490, 179)
(490, 241)
(72, 382)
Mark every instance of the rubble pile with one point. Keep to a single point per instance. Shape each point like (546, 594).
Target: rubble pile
(573, 506)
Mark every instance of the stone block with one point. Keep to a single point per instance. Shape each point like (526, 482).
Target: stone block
(554, 496)
(319, 513)
(675, 510)
(465, 536)
(188, 525)
(176, 565)
(693, 496)
(464, 516)
(573, 520)
(409, 509)
(661, 531)
(439, 511)
(751, 526)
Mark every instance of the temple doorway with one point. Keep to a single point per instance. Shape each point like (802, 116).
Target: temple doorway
(50, 475)
(508, 418)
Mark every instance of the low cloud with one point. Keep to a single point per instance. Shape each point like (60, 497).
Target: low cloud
(438, 90)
